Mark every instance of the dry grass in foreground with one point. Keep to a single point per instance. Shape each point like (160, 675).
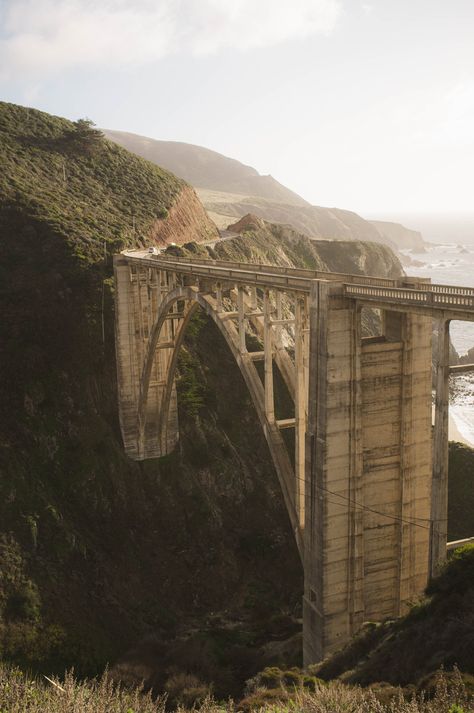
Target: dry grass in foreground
(22, 694)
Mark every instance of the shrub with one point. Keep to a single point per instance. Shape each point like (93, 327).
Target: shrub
(185, 689)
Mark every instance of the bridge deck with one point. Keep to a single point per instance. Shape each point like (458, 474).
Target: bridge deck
(423, 297)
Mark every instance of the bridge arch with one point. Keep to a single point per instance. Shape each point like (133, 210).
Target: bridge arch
(194, 300)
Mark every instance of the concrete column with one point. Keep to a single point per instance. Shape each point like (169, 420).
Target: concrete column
(268, 358)
(396, 436)
(415, 458)
(300, 409)
(333, 598)
(279, 315)
(241, 323)
(314, 640)
(219, 297)
(128, 363)
(355, 593)
(253, 298)
(439, 488)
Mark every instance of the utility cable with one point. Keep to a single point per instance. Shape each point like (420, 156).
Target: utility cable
(366, 507)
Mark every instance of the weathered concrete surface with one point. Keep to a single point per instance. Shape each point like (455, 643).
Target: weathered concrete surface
(138, 300)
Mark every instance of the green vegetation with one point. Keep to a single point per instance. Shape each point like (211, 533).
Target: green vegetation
(87, 190)
(85, 136)
(21, 694)
(461, 492)
(436, 632)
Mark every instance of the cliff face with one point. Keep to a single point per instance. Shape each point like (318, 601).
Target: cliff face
(399, 236)
(186, 220)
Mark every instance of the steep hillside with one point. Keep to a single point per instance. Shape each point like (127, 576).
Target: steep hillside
(205, 168)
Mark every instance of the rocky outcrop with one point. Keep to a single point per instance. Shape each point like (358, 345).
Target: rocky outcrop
(248, 222)
(186, 220)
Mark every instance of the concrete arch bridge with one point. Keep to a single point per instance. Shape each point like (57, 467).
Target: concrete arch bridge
(366, 486)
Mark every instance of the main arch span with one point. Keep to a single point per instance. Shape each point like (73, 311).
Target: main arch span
(365, 485)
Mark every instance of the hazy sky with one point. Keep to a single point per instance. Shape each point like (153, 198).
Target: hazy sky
(362, 105)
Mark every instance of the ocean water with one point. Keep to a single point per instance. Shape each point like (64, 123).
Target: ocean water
(449, 259)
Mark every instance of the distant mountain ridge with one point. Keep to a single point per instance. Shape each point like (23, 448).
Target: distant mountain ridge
(230, 189)
(205, 168)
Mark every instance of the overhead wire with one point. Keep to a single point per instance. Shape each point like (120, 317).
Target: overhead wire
(356, 504)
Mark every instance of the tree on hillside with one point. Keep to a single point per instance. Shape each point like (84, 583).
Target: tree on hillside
(85, 135)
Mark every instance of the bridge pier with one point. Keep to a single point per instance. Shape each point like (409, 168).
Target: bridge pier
(368, 470)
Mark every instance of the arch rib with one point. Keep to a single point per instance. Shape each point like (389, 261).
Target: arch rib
(277, 447)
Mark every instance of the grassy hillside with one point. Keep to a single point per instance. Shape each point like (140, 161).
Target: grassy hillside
(87, 193)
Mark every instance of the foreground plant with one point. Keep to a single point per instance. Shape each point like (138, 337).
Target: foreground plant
(22, 694)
